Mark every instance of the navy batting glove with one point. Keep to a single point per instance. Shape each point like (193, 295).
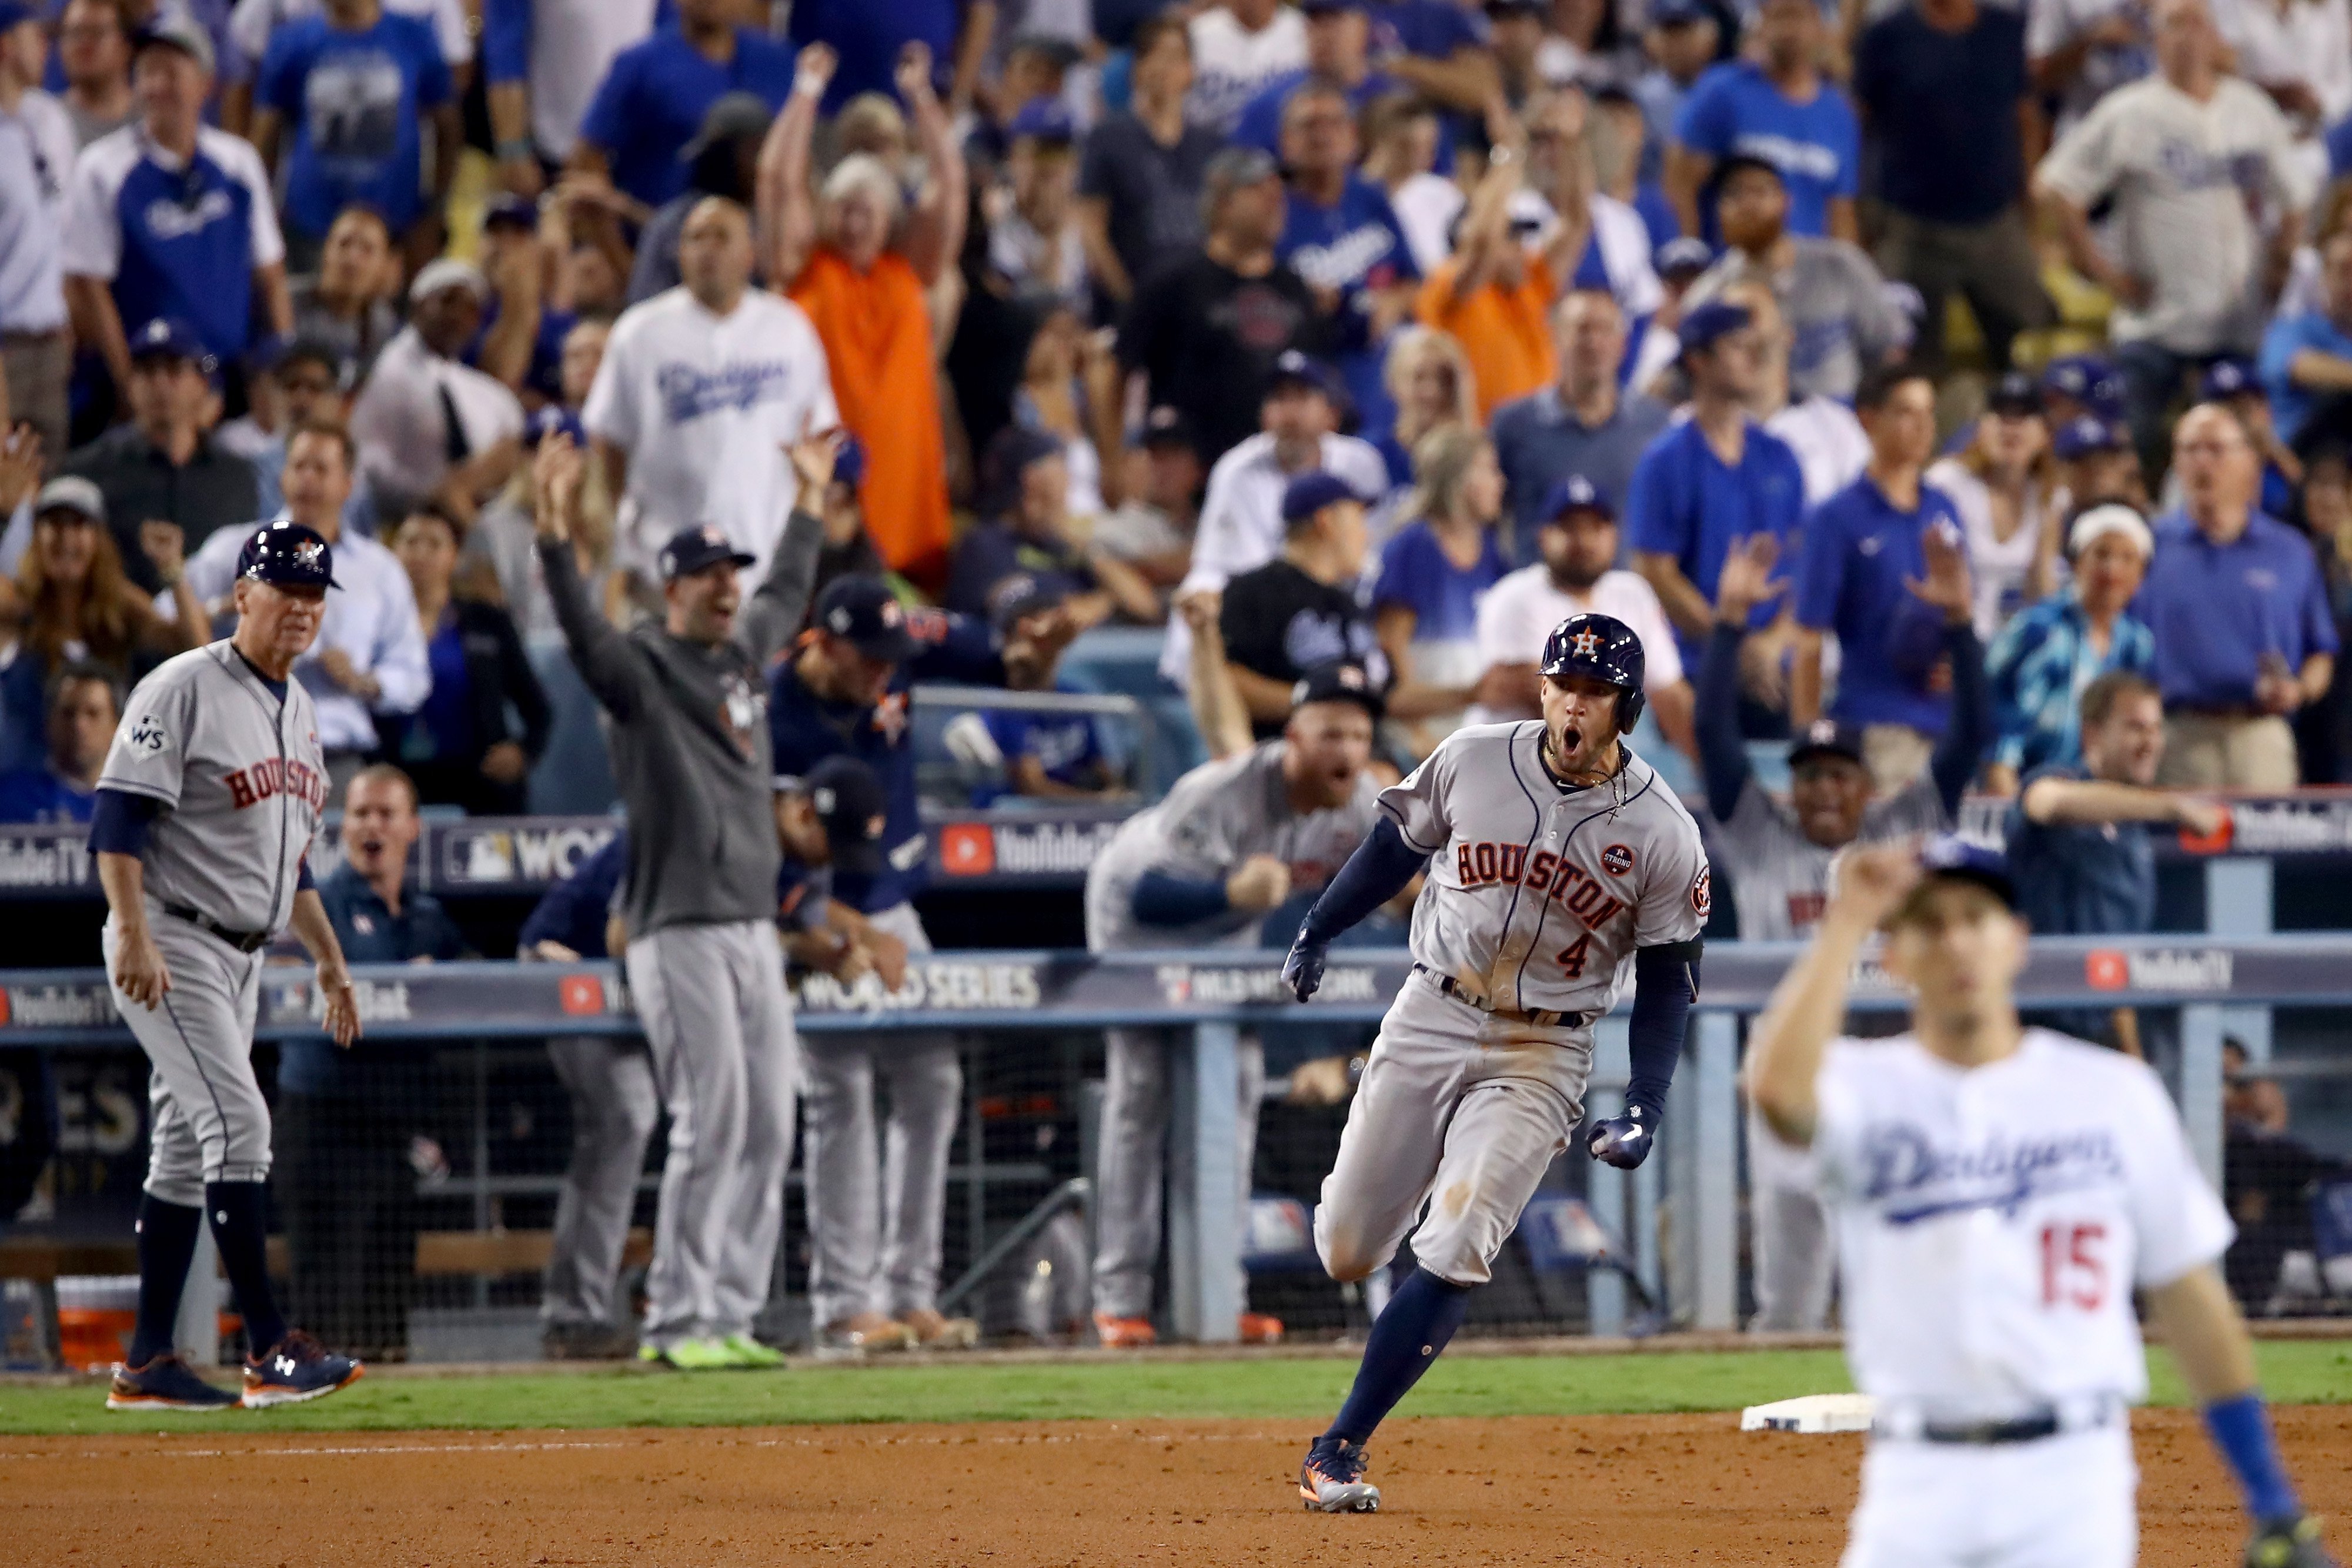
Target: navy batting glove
(1302, 972)
(1620, 1140)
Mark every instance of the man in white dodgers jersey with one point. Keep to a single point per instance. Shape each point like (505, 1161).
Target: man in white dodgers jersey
(1556, 860)
(206, 809)
(1999, 1193)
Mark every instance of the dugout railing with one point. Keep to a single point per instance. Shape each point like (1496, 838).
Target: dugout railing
(1678, 1219)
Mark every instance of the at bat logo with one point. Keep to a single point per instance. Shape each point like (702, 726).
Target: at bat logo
(1617, 858)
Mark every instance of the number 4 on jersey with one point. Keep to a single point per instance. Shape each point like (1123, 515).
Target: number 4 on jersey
(1571, 957)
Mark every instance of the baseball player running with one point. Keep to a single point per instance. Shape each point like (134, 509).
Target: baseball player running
(1999, 1192)
(1202, 869)
(206, 809)
(1556, 859)
(690, 749)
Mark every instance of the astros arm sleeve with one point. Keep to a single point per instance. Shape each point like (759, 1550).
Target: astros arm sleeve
(118, 820)
(1666, 983)
(1163, 899)
(1722, 753)
(1375, 873)
(1969, 730)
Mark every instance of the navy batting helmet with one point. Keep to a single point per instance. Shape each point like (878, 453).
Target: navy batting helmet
(1605, 648)
(289, 554)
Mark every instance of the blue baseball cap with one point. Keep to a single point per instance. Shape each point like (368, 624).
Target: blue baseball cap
(1715, 319)
(553, 419)
(1678, 13)
(1340, 680)
(15, 14)
(1016, 598)
(1574, 493)
(290, 555)
(2226, 379)
(864, 613)
(2014, 393)
(1826, 738)
(1682, 254)
(1947, 857)
(849, 461)
(169, 338)
(698, 548)
(1292, 367)
(1044, 118)
(1310, 493)
(2085, 379)
(506, 207)
(2084, 434)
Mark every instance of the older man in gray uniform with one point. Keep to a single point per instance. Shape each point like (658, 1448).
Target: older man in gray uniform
(690, 749)
(205, 810)
(1232, 839)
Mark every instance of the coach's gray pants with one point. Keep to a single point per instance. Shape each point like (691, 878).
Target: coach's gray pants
(1790, 1243)
(209, 1120)
(610, 1082)
(1131, 1166)
(876, 1212)
(712, 1001)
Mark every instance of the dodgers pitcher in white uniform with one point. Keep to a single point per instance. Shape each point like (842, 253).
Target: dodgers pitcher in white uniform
(1557, 859)
(1999, 1193)
(205, 808)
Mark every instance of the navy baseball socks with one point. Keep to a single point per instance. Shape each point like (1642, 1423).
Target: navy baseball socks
(241, 1216)
(167, 1244)
(1418, 1323)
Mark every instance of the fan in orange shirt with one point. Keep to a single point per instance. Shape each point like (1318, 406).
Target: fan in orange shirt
(867, 297)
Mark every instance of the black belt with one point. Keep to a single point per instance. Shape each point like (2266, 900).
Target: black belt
(243, 941)
(2032, 1426)
(1542, 1018)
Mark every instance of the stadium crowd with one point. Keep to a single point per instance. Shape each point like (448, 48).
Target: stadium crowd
(1961, 393)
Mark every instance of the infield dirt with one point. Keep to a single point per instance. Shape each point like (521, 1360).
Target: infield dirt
(1622, 1491)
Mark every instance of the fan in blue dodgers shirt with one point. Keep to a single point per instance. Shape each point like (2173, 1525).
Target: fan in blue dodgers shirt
(843, 689)
(1775, 105)
(1339, 233)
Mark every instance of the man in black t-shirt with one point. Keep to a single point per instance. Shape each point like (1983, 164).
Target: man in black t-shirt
(1300, 608)
(1206, 327)
(1139, 182)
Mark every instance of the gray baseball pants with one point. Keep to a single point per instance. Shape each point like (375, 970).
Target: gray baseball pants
(610, 1082)
(1795, 1258)
(877, 1208)
(209, 1122)
(724, 1054)
(1131, 1167)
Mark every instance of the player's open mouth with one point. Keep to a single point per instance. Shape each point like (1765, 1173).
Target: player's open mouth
(1571, 740)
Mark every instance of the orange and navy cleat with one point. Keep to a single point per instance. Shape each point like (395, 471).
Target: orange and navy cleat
(1332, 1479)
(297, 1368)
(1125, 1334)
(1257, 1328)
(165, 1383)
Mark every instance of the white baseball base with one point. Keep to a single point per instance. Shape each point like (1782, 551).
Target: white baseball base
(1811, 1413)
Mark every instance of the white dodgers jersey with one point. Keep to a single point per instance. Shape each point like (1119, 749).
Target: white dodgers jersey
(1992, 1221)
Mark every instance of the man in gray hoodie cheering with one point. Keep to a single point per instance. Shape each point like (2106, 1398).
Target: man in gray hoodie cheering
(689, 737)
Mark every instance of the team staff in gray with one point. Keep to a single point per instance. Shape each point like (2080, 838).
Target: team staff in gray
(206, 809)
(1778, 856)
(691, 748)
(1232, 839)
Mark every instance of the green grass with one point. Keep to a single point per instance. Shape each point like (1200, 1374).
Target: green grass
(2293, 1372)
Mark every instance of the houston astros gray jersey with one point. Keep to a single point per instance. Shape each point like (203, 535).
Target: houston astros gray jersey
(1780, 878)
(1216, 817)
(241, 779)
(1538, 894)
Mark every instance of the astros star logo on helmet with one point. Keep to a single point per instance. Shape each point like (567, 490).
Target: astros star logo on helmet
(1588, 644)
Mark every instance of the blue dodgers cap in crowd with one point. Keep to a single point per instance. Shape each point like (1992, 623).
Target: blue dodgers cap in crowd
(2014, 393)
(1017, 598)
(506, 207)
(849, 461)
(1826, 738)
(864, 613)
(1574, 493)
(553, 419)
(290, 555)
(1682, 256)
(2086, 433)
(2226, 379)
(1715, 319)
(15, 13)
(1292, 367)
(1949, 857)
(1340, 680)
(1676, 12)
(169, 338)
(1310, 493)
(698, 548)
(1044, 119)
(2085, 379)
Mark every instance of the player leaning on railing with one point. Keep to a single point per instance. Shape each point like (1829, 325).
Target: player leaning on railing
(1999, 1193)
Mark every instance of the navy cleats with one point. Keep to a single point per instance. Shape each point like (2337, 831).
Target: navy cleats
(1332, 1479)
(297, 1368)
(167, 1383)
